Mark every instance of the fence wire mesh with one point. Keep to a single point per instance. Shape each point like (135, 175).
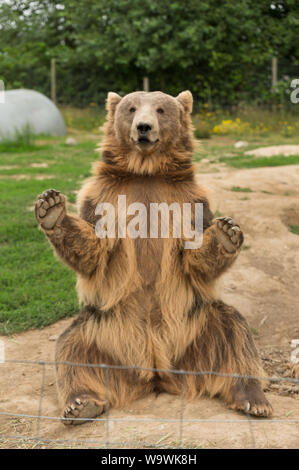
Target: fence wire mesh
(36, 440)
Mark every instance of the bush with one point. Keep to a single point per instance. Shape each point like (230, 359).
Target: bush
(202, 131)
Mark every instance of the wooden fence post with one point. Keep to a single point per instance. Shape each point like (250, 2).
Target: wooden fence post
(53, 81)
(146, 84)
(274, 74)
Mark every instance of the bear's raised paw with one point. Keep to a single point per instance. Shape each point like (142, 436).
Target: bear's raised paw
(50, 208)
(229, 234)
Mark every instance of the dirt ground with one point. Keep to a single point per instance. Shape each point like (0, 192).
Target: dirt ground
(263, 285)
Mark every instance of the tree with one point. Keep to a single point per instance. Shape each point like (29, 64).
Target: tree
(220, 50)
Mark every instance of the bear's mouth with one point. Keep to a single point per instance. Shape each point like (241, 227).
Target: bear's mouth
(145, 141)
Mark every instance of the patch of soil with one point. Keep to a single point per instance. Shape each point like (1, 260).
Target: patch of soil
(28, 177)
(290, 215)
(285, 150)
(276, 363)
(39, 165)
(8, 167)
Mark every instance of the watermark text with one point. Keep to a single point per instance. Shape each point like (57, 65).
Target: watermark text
(135, 221)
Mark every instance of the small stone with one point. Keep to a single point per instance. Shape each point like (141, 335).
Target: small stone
(240, 144)
(53, 337)
(71, 141)
(205, 160)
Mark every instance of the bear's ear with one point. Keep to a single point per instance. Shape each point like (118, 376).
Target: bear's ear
(185, 98)
(111, 102)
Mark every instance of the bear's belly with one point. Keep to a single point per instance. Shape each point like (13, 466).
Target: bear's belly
(149, 252)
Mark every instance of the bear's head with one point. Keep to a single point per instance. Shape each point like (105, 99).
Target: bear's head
(148, 132)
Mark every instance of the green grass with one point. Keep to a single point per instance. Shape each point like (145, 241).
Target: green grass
(294, 229)
(244, 161)
(217, 213)
(238, 189)
(220, 149)
(255, 331)
(22, 141)
(246, 123)
(36, 289)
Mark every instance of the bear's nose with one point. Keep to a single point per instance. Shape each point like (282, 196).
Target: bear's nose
(143, 128)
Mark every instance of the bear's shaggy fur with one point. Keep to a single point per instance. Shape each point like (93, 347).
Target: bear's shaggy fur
(148, 302)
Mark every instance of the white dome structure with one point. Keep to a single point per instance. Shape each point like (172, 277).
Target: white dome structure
(28, 109)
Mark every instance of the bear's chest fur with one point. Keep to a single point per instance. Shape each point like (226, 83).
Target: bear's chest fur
(126, 196)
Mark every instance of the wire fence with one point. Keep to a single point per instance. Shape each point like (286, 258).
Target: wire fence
(107, 443)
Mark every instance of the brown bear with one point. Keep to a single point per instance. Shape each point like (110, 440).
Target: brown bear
(149, 304)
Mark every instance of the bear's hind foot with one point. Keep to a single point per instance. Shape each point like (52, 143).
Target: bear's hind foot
(82, 406)
(250, 399)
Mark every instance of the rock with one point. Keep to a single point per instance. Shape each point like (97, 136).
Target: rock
(53, 337)
(240, 144)
(71, 141)
(205, 160)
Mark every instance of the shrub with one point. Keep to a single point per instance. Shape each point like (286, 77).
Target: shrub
(202, 131)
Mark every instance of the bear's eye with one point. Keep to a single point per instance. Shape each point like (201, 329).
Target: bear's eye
(132, 110)
(160, 110)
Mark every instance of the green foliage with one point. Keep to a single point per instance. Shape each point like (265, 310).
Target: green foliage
(294, 229)
(202, 131)
(245, 161)
(247, 121)
(87, 119)
(220, 50)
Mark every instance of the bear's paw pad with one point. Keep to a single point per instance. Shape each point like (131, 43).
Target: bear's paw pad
(49, 207)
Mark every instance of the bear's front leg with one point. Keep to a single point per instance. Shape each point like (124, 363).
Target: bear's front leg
(73, 239)
(220, 247)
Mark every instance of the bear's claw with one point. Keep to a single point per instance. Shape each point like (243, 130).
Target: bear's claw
(83, 407)
(251, 400)
(229, 234)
